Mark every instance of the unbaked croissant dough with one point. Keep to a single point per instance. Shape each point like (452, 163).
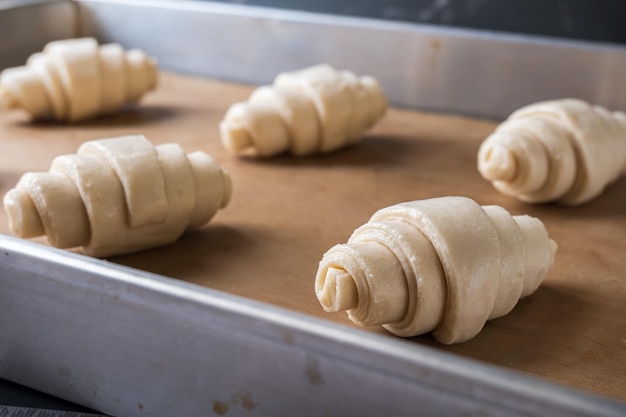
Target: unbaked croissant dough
(563, 150)
(75, 79)
(118, 195)
(317, 109)
(445, 265)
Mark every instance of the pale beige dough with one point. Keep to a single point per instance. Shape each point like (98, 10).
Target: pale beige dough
(76, 79)
(136, 165)
(565, 150)
(112, 61)
(443, 265)
(316, 109)
(90, 198)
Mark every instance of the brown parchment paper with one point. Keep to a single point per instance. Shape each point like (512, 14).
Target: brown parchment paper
(286, 212)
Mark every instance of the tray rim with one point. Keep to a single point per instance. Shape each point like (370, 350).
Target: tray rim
(495, 387)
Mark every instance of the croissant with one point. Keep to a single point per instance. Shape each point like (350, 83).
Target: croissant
(317, 109)
(443, 265)
(117, 196)
(75, 79)
(565, 151)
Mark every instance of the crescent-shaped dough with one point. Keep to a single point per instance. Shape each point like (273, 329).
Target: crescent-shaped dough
(90, 198)
(76, 79)
(565, 151)
(443, 265)
(316, 109)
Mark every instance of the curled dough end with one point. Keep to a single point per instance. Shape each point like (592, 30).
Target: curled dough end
(337, 291)
(213, 188)
(233, 133)
(444, 265)
(24, 220)
(7, 100)
(342, 284)
(497, 163)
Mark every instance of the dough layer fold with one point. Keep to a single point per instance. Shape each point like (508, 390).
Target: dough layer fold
(443, 265)
(118, 195)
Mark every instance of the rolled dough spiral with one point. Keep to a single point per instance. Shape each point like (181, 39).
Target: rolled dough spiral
(75, 79)
(117, 196)
(317, 109)
(566, 151)
(443, 265)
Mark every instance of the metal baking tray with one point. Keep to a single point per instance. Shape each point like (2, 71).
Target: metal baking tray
(128, 342)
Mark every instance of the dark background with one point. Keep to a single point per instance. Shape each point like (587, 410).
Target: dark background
(593, 20)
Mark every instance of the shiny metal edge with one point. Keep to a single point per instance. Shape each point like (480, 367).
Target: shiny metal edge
(127, 342)
(468, 72)
(27, 25)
